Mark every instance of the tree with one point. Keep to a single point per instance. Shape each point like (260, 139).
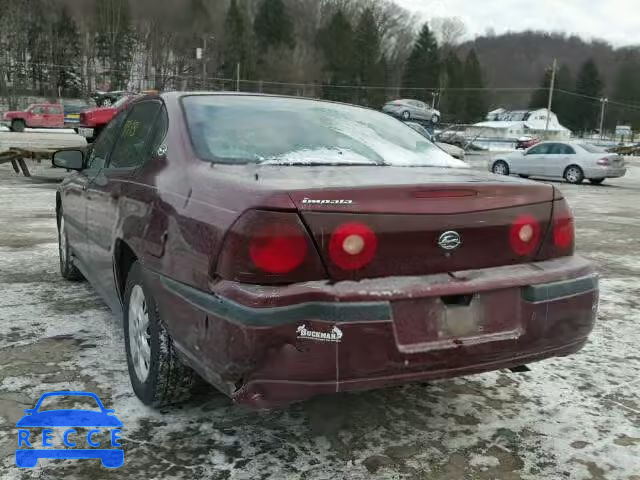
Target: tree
(448, 31)
(369, 61)
(66, 54)
(563, 101)
(114, 40)
(540, 98)
(452, 103)
(273, 25)
(626, 91)
(423, 67)
(475, 105)
(237, 42)
(586, 107)
(336, 42)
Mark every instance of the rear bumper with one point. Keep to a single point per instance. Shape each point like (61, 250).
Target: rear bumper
(269, 346)
(605, 172)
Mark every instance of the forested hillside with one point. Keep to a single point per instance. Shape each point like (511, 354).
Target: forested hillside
(361, 51)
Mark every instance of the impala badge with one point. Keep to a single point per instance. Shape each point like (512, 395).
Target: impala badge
(450, 240)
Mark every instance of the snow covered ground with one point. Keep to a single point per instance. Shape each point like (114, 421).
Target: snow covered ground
(570, 418)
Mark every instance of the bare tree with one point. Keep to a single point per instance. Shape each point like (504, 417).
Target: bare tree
(449, 31)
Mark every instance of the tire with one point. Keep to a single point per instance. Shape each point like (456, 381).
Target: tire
(500, 168)
(406, 115)
(574, 174)
(523, 176)
(157, 375)
(435, 119)
(596, 181)
(106, 102)
(18, 126)
(67, 269)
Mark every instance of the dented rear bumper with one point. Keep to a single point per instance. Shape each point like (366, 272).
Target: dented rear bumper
(269, 346)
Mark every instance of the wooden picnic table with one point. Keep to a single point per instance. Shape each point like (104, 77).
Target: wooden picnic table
(17, 157)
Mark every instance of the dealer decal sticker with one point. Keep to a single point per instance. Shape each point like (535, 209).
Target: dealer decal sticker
(335, 335)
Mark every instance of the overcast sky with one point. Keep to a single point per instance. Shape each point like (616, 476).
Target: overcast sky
(616, 21)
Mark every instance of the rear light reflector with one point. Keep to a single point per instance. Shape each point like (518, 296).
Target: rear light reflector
(352, 246)
(604, 162)
(278, 248)
(563, 233)
(524, 236)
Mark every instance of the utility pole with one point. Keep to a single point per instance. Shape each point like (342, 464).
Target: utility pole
(551, 88)
(604, 103)
(238, 77)
(204, 63)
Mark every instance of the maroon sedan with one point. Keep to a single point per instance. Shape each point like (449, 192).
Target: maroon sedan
(284, 248)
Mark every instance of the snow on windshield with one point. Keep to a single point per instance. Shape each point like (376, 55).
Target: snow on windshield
(275, 130)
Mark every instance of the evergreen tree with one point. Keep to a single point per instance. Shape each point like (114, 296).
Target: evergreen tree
(273, 25)
(423, 67)
(369, 61)
(336, 42)
(626, 90)
(452, 103)
(586, 111)
(475, 105)
(237, 42)
(66, 54)
(540, 98)
(562, 101)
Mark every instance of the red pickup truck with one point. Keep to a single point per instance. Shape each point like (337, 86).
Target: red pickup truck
(93, 120)
(38, 115)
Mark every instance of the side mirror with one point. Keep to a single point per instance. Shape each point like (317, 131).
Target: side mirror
(69, 159)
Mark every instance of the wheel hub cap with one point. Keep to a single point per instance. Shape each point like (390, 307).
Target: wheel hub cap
(139, 337)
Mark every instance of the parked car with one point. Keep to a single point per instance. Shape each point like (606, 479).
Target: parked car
(453, 150)
(286, 247)
(526, 142)
(93, 120)
(412, 110)
(573, 161)
(37, 115)
(107, 99)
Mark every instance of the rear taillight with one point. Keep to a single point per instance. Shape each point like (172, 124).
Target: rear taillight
(524, 235)
(561, 236)
(269, 247)
(604, 162)
(352, 246)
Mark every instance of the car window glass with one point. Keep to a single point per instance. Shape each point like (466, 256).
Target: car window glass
(130, 150)
(37, 110)
(539, 149)
(103, 145)
(159, 131)
(555, 149)
(568, 150)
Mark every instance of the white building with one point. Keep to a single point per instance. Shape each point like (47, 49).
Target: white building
(515, 124)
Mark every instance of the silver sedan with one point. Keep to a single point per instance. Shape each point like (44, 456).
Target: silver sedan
(573, 161)
(412, 110)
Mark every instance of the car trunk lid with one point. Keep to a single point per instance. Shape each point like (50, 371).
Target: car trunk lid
(423, 229)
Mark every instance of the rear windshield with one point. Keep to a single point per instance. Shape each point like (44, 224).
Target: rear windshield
(592, 148)
(254, 129)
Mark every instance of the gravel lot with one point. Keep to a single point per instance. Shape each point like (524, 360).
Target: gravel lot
(571, 418)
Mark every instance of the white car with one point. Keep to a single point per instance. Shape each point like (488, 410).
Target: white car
(407, 109)
(574, 161)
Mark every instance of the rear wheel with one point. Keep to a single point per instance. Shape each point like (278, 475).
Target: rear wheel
(435, 119)
(67, 269)
(596, 181)
(406, 115)
(574, 174)
(500, 168)
(157, 375)
(18, 126)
